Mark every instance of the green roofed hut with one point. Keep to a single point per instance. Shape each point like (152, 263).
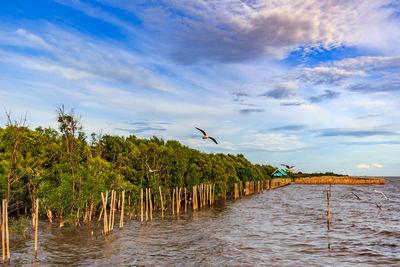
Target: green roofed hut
(278, 173)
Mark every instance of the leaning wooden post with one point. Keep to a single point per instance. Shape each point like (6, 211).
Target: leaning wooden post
(162, 203)
(121, 222)
(36, 225)
(104, 199)
(3, 230)
(141, 205)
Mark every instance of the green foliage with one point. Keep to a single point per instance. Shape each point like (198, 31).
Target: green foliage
(18, 225)
(68, 173)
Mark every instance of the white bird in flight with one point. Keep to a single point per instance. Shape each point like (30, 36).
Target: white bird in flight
(381, 193)
(150, 170)
(205, 136)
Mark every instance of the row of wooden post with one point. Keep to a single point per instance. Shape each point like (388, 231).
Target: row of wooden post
(205, 196)
(5, 240)
(108, 221)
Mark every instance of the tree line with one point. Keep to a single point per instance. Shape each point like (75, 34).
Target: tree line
(68, 170)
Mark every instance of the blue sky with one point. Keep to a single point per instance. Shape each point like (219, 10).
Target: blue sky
(311, 83)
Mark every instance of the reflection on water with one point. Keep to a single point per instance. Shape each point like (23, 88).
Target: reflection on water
(285, 226)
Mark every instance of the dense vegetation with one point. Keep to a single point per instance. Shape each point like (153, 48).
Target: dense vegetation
(67, 172)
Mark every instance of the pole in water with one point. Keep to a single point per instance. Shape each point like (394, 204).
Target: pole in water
(162, 203)
(121, 222)
(36, 225)
(2, 231)
(141, 205)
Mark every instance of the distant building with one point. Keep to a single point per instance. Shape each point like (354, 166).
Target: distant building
(278, 173)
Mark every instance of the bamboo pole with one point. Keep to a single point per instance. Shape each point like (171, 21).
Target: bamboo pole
(151, 205)
(328, 195)
(2, 230)
(207, 194)
(114, 209)
(177, 201)
(121, 221)
(194, 197)
(201, 195)
(111, 209)
(173, 204)
(36, 226)
(147, 204)
(185, 202)
(7, 236)
(105, 223)
(162, 203)
(141, 205)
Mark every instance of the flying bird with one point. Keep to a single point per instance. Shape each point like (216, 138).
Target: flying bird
(150, 170)
(381, 193)
(359, 198)
(379, 206)
(205, 136)
(288, 168)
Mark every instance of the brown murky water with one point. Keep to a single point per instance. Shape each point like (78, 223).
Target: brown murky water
(281, 227)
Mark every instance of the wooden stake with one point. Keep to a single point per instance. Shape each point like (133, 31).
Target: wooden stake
(141, 205)
(173, 204)
(7, 237)
(147, 204)
(2, 230)
(151, 205)
(121, 221)
(162, 202)
(36, 226)
(114, 209)
(185, 202)
(111, 211)
(104, 199)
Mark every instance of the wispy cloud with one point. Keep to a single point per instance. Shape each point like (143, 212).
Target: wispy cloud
(295, 127)
(377, 165)
(356, 132)
(373, 87)
(246, 111)
(274, 142)
(327, 95)
(282, 90)
(232, 31)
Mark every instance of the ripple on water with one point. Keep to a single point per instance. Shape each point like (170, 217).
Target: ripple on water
(282, 227)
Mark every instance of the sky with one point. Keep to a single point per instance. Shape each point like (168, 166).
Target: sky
(310, 83)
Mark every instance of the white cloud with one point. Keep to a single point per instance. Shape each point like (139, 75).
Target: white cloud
(363, 166)
(274, 142)
(377, 165)
(231, 31)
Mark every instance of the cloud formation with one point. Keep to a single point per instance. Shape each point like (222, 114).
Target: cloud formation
(366, 166)
(327, 95)
(363, 166)
(282, 90)
(237, 31)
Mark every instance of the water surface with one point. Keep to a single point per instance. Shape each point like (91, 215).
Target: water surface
(281, 227)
